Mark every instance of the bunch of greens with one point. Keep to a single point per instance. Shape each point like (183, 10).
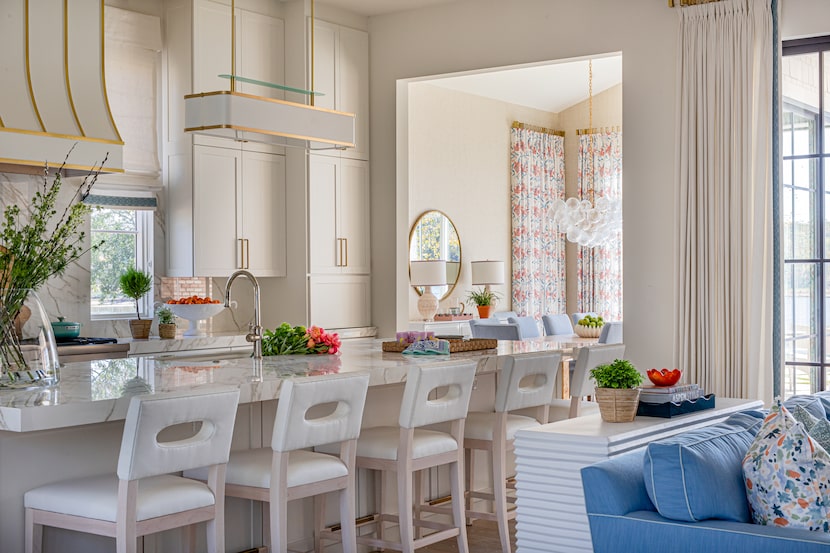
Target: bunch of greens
(285, 340)
(620, 374)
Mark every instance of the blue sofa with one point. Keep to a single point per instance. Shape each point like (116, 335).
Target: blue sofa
(706, 500)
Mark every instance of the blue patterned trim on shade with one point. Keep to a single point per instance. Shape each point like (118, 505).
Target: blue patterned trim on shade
(124, 202)
(776, 204)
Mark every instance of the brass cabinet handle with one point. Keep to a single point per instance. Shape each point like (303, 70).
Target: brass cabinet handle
(241, 264)
(247, 254)
(346, 241)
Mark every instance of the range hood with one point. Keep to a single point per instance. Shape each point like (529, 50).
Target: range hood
(53, 92)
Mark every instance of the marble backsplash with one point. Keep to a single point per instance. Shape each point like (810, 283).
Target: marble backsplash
(68, 295)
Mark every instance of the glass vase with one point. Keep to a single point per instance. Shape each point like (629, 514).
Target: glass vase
(28, 353)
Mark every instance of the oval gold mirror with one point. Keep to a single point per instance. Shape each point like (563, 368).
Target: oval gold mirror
(433, 236)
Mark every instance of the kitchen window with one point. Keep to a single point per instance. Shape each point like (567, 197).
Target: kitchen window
(127, 236)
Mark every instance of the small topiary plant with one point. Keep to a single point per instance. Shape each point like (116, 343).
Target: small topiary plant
(620, 374)
(135, 284)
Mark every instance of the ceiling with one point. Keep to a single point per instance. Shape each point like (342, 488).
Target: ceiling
(371, 8)
(553, 86)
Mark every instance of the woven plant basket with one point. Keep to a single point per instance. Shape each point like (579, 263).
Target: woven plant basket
(617, 405)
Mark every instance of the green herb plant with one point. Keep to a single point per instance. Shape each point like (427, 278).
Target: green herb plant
(165, 315)
(135, 284)
(483, 297)
(620, 374)
(285, 340)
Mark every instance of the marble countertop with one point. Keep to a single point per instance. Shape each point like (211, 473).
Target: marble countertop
(99, 391)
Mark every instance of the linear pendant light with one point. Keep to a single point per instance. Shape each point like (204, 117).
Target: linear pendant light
(247, 117)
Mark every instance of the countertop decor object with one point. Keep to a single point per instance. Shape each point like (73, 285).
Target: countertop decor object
(587, 331)
(194, 313)
(136, 284)
(616, 390)
(664, 377)
(669, 409)
(472, 344)
(39, 240)
(33, 341)
(66, 329)
(428, 274)
(167, 322)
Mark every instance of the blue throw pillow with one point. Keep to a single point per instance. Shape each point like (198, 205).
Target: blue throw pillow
(824, 397)
(812, 403)
(697, 475)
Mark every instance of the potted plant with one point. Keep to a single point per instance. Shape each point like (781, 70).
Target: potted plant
(167, 322)
(135, 284)
(485, 300)
(616, 391)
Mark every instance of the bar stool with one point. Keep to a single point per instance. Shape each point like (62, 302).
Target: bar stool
(524, 382)
(586, 359)
(409, 448)
(143, 497)
(287, 470)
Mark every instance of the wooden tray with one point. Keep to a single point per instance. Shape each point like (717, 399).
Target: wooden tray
(455, 345)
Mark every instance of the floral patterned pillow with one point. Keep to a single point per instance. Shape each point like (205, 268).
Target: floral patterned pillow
(787, 475)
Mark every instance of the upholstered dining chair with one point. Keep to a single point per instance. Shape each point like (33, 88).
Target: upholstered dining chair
(143, 496)
(611, 333)
(287, 470)
(524, 382)
(557, 324)
(502, 316)
(433, 394)
(527, 325)
(586, 359)
(507, 331)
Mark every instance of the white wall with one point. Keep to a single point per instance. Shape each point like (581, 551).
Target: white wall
(488, 33)
(459, 163)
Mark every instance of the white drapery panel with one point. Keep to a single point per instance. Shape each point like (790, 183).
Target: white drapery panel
(724, 324)
(537, 179)
(599, 270)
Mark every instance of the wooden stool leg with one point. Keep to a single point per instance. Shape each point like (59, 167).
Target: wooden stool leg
(348, 533)
(469, 475)
(500, 495)
(380, 493)
(405, 510)
(418, 491)
(266, 524)
(456, 479)
(319, 521)
(34, 533)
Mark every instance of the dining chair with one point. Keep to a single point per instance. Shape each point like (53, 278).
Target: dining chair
(524, 382)
(557, 324)
(433, 394)
(611, 333)
(311, 411)
(507, 331)
(143, 496)
(528, 326)
(502, 316)
(575, 317)
(586, 359)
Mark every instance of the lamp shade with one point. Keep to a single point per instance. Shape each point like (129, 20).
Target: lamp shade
(487, 272)
(428, 273)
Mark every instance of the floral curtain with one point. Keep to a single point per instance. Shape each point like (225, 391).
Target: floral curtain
(599, 270)
(537, 179)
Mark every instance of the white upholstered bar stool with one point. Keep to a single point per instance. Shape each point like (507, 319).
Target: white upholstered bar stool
(287, 470)
(433, 394)
(524, 382)
(143, 497)
(586, 359)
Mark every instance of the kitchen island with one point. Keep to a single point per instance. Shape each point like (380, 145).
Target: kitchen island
(73, 429)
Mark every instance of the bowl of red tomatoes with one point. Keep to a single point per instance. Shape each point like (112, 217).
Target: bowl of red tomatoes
(664, 377)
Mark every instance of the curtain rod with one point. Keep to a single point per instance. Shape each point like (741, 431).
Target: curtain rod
(691, 2)
(596, 130)
(518, 125)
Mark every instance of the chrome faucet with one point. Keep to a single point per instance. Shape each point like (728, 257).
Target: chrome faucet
(254, 329)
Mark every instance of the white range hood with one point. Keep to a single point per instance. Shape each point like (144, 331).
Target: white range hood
(53, 92)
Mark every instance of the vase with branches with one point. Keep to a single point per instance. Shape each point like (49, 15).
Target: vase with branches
(39, 241)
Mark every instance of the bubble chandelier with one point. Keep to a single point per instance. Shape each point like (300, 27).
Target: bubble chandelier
(589, 222)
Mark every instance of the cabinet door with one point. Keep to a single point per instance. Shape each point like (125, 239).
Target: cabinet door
(353, 86)
(211, 45)
(325, 62)
(260, 53)
(354, 216)
(323, 215)
(216, 177)
(263, 213)
(340, 301)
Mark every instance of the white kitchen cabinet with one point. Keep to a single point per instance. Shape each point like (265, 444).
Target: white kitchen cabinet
(338, 216)
(225, 199)
(340, 301)
(238, 212)
(341, 72)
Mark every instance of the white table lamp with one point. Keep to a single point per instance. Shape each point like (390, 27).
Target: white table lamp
(487, 273)
(428, 274)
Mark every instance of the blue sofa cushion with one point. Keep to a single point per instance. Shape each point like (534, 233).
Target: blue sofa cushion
(824, 397)
(813, 404)
(697, 475)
